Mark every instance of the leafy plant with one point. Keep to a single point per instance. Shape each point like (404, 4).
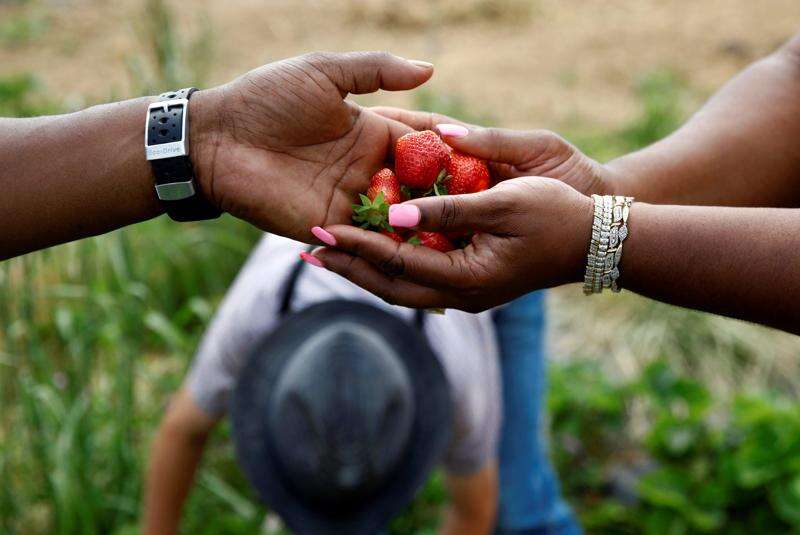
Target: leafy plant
(710, 469)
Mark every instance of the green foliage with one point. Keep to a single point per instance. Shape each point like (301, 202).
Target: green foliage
(660, 93)
(372, 214)
(709, 469)
(89, 326)
(21, 96)
(172, 59)
(22, 29)
(422, 516)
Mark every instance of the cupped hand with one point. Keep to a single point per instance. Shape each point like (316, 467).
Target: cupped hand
(532, 233)
(282, 148)
(514, 153)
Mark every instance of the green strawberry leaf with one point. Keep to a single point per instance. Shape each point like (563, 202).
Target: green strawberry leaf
(413, 240)
(372, 213)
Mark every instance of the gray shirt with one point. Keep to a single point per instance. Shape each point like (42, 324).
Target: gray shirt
(464, 343)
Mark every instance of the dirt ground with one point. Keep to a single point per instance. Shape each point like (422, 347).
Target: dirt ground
(543, 63)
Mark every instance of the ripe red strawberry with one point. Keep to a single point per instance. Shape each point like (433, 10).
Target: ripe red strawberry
(386, 182)
(393, 235)
(466, 174)
(420, 157)
(373, 212)
(434, 240)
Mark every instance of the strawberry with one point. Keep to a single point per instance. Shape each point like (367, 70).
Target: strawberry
(466, 174)
(384, 189)
(393, 235)
(433, 240)
(420, 159)
(385, 181)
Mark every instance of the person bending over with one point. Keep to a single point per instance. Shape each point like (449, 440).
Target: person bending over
(463, 343)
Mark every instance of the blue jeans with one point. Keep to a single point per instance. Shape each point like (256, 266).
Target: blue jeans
(530, 495)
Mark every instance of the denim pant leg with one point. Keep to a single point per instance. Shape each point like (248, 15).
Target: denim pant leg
(530, 495)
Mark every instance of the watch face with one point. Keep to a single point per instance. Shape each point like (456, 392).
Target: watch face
(165, 127)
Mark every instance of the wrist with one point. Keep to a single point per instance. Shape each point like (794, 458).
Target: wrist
(205, 119)
(578, 239)
(613, 178)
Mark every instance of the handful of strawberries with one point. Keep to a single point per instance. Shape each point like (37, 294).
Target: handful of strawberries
(424, 166)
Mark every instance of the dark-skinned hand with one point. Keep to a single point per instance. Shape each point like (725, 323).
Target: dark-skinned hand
(285, 133)
(532, 231)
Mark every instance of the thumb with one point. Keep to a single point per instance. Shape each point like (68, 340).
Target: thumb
(472, 212)
(366, 72)
(501, 145)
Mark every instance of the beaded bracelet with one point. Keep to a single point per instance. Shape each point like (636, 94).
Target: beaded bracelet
(609, 230)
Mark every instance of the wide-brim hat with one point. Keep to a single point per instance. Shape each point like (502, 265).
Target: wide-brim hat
(339, 416)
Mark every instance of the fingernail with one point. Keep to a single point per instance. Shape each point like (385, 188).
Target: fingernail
(420, 63)
(404, 215)
(324, 236)
(311, 259)
(452, 130)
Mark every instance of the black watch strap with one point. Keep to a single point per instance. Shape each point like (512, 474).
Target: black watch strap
(166, 145)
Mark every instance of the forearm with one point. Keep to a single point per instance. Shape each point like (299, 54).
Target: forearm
(173, 464)
(70, 176)
(740, 149)
(174, 459)
(738, 262)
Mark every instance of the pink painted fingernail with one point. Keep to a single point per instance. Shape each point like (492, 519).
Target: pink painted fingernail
(420, 63)
(311, 259)
(452, 130)
(324, 236)
(404, 215)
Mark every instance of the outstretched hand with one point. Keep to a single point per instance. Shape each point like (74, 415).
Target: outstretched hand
(282, 148)
(515, 153)
(532, 233)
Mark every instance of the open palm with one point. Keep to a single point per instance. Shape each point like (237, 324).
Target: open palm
(286, 133)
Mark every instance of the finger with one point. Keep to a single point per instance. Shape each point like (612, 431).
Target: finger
(420, 265)
(396, 131)
(394, 291)
(423, 120)
(366, 72)
(418, 120)
(504, 146)
(484, 211)
(504, 171)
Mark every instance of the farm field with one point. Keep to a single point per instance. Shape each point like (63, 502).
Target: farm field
(662, 420)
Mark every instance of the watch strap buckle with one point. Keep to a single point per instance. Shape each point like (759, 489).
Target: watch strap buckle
(175, 191)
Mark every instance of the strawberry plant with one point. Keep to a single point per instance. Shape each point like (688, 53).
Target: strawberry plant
(700, 468)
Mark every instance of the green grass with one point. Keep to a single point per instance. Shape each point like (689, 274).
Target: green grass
(98, 335)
